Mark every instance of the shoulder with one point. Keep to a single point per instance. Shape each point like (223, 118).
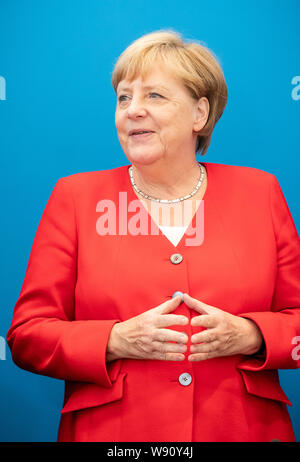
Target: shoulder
(88, 181)
(237, 171)
(242, 176)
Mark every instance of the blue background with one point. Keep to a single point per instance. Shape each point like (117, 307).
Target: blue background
(58, 119)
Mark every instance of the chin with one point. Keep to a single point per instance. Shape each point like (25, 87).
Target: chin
(143, 158)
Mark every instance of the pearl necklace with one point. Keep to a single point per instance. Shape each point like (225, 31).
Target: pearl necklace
(167, 201)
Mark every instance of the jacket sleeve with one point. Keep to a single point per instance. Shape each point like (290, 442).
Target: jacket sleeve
(44, 338)
(280, 326)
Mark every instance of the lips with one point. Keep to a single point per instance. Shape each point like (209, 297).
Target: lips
(141, 131)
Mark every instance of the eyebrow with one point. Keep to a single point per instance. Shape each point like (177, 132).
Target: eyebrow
(148, 87)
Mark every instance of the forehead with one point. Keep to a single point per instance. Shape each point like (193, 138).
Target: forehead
(158, 78)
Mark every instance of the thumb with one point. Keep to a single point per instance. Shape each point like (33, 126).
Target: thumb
(197, 305)
(169, 305)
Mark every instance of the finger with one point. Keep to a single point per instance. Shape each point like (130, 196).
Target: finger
(197, 305)
(205, 320)
(165, 347)
(172, 319)
(169, 356)
(169, 352)
(169, 335)
(209, 347)
(202, 356)
(206, 336)
(169, 305)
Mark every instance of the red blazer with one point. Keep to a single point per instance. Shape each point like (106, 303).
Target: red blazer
(79, 283)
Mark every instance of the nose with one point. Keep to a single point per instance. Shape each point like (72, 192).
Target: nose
(136, 108)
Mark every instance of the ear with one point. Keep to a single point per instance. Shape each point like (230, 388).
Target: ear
(201, 113)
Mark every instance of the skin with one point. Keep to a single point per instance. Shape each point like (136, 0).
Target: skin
(164, 165)
(225, 334)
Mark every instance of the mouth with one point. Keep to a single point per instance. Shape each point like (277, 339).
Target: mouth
(140, 134)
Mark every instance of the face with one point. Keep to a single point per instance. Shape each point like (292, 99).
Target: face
(161, 106)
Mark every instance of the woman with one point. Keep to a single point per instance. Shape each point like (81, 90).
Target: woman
(165, 292)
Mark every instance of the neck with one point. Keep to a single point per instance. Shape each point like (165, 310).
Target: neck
(167, 181)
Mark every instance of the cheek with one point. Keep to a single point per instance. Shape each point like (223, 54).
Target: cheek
(183, 124)
(120, 131)
(119, 121)
(177, 120)
(176, 127)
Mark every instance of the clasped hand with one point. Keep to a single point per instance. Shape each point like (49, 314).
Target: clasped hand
(225, 334)
(147, 335)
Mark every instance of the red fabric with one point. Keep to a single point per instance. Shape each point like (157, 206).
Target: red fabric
(78, 284)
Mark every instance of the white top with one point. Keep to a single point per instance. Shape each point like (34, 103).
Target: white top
(173, 233)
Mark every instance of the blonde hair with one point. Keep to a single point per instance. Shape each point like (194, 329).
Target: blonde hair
(192, 62)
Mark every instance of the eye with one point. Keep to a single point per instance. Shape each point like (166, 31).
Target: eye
(120, 98)
(156, 94)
